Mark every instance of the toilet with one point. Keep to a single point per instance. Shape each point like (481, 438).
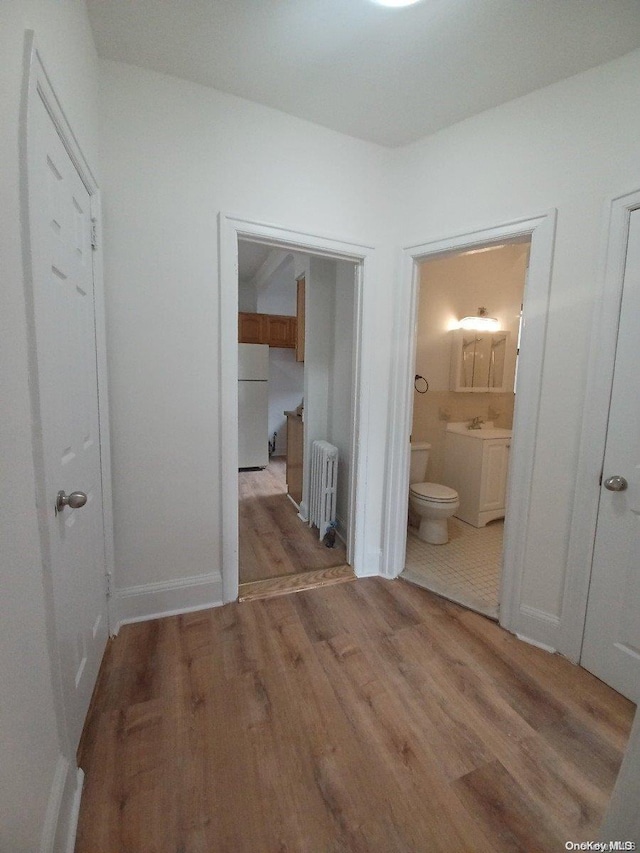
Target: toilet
(432, 503)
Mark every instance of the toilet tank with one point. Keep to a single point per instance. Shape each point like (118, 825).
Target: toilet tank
(419, 459)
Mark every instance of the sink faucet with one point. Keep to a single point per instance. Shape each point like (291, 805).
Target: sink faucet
(476, 423)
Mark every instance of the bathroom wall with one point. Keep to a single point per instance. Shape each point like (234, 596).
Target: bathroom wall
(453, 287)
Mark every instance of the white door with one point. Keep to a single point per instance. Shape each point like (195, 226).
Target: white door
(611, 648)
(63, 304)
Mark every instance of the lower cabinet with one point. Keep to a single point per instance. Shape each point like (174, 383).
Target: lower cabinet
(477, 469)
(295, 443)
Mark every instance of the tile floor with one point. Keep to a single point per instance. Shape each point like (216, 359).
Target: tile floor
(465, 570)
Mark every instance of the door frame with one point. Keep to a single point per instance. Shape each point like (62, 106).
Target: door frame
(593, 438)
(230, 230)
(541, 230)
(38, 85)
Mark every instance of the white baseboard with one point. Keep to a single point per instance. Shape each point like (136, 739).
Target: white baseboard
(536, 627)
(63, 809)
(536, 643)
(166, 598)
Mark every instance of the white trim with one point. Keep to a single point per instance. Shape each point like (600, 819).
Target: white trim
(75, 812)
(103, 397)
(541, 229)
(63, 809)
(541, 615)
(167, 598)
(230, 229)
(536, 643)
(54, 805)
(602, 355)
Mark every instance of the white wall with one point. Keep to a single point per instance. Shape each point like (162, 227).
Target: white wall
(247, 297)
(286, 375)
(340, 408)
(175, 154)
(277, 295)
(571, 146)
(29, 742)
(320, 297)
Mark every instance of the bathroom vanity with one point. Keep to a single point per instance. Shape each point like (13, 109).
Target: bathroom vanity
(476, 465)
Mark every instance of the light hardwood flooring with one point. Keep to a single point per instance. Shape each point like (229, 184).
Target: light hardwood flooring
(273, 541)
(286, 584)
(366, 717)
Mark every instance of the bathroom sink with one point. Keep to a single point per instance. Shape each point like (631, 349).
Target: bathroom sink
(486, 431)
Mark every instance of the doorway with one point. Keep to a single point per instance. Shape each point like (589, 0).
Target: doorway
(469, 318)
(319, 249)
(295, 384)
(540, 230)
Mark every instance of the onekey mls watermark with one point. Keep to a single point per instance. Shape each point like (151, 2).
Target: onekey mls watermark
(600, 846)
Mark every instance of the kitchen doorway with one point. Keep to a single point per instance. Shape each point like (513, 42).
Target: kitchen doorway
(325, 259)
(284, 361)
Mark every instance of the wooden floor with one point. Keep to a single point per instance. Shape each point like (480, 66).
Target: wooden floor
(286, 584)
(367, 717)
(272, 539)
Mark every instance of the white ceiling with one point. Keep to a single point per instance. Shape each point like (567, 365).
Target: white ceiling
(386, 75)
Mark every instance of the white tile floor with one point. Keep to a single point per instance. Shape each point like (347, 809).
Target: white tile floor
(466, 569)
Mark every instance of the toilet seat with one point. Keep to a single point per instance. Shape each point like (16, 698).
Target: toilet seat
(433, 492)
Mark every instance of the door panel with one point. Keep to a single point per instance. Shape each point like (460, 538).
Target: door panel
(63, 303)
(611, 648)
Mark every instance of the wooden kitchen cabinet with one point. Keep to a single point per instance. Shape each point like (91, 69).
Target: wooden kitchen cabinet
(281, 331)
(251, 328)
(275, 330)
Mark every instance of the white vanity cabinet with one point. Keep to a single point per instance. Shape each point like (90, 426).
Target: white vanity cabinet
(476, 465)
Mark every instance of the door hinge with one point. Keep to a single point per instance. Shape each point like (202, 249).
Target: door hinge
(108, 580)
(94, 233)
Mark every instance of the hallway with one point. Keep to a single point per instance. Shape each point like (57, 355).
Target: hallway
(370, 716)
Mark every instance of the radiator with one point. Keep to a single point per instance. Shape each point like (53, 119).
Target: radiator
(322, 486)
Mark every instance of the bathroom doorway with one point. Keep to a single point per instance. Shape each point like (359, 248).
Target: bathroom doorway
(296, 332)
(468, 330)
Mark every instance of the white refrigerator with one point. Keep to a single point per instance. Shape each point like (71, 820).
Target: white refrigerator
(253, 405)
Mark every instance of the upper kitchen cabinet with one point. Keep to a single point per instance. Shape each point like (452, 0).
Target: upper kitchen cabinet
(275, 330)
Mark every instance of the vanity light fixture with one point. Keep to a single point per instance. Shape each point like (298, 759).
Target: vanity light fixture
(395, 4)
(481, 322)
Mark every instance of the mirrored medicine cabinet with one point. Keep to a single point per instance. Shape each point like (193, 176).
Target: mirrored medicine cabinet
(479, 361)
